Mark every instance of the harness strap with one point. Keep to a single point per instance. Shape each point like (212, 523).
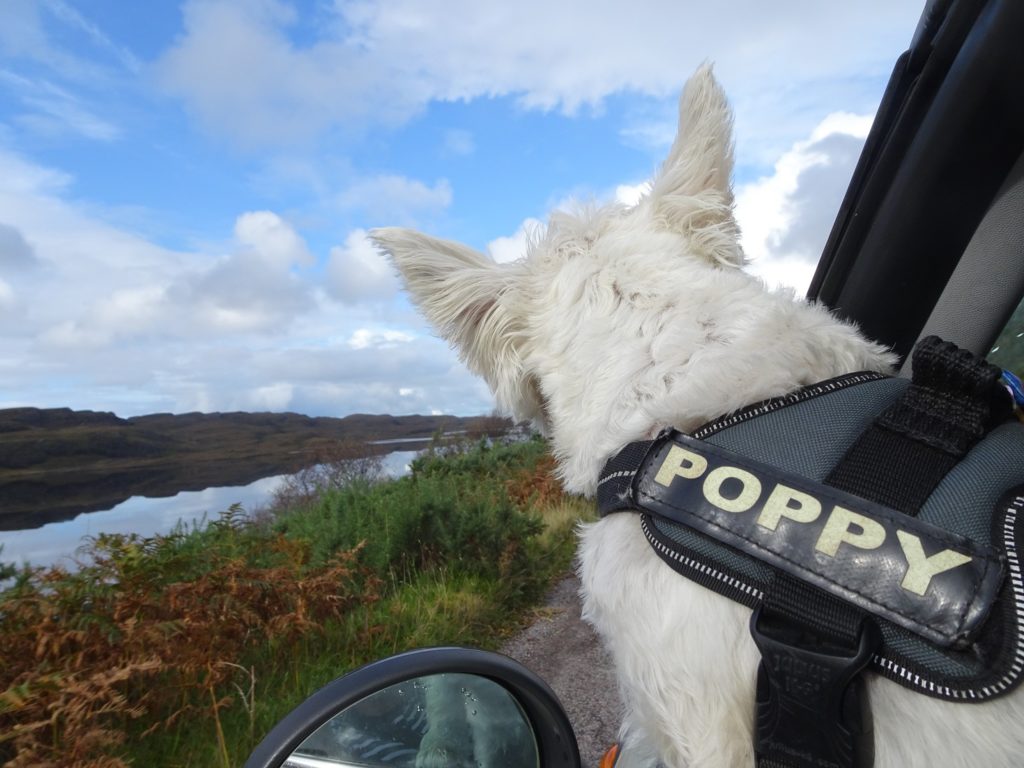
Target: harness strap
(615, 488)
(953, 401)
(812, 707)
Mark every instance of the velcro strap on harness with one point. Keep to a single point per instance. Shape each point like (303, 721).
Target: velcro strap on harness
(953, 401)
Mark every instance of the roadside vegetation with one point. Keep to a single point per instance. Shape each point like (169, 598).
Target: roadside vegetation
(1008, 350)
(184, 649)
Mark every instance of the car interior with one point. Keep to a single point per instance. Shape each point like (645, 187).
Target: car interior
(930, 236)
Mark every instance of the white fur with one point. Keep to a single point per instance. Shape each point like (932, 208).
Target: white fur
(619, 322)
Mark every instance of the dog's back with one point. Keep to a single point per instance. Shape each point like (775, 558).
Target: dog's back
(621, 322)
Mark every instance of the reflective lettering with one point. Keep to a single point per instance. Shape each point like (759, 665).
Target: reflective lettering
(841, 527)
(789, 503)
(680, 463)
(922, 568)
(747, 497)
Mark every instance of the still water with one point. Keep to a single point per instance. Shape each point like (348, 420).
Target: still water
(55, 542)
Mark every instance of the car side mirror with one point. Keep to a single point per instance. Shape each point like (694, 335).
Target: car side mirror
(434, 707)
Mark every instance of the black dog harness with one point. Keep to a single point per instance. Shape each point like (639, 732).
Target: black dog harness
(870, 522)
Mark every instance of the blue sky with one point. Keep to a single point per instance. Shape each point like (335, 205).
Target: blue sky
(185, 187)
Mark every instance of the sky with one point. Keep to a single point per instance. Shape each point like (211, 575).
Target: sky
(186, 187)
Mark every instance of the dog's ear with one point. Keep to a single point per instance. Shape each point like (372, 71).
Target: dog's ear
(691, 193)
(460, 291)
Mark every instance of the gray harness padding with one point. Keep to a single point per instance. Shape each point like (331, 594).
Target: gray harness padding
(807, 434)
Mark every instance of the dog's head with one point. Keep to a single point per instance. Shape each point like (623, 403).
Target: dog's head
(582, 335)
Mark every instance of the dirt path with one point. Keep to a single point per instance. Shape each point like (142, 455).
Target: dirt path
(564, 651)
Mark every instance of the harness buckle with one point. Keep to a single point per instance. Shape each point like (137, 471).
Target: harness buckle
(812, 704)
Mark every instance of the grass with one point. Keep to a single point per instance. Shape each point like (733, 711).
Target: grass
(183, 650)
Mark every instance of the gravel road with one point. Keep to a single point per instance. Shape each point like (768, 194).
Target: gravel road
(566, 652)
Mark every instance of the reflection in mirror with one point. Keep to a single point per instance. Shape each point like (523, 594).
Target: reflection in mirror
(438, 721)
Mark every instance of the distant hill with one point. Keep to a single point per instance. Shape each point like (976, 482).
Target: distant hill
(56, 463)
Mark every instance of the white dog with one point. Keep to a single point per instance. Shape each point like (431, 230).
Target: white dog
(622, 321)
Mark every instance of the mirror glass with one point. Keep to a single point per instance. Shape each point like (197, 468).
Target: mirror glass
(439, 721)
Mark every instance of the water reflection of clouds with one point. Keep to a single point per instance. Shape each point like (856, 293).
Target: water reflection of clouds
(396, 463)
(148, 516)
(141, 515)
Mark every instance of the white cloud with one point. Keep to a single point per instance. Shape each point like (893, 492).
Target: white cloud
(506, 249)
(239, 293)
(630, 194)
(55, 112)
(237, 67)
(119, 323)
(272, 397)
(15, 251)
(847, 123)
(69, 334)
(272, 239)
(6, 295)
(130, 311)
(412, 376)
(785, 217)
(78, 261)
(26, 178)
(358, 272)
(106, 318)
(396, 199)
(365, 338)
(194, 345)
